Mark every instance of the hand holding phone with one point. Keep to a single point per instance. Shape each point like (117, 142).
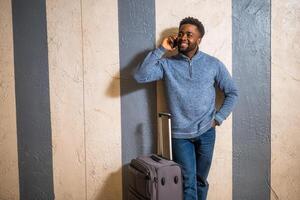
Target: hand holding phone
(175, 42)
(170, 43)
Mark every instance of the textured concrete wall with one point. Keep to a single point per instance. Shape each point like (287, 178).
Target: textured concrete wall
(9, 185)
(251, 121)
(285, 100)
(31, 72)
(216, 17)
(66, 94)
(85, 100)
(102, 99)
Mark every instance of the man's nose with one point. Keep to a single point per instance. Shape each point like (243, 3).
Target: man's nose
(184, 36)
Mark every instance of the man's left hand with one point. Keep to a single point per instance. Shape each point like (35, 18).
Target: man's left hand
(214, 123)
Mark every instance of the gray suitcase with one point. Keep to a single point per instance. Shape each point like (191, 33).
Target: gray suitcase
(156, 177)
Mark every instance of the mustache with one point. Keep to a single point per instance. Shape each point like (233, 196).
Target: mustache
(180, 41)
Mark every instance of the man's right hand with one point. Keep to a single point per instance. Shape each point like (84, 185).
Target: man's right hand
(167, 43)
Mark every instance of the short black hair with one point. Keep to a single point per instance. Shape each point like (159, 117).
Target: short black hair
(193, 21)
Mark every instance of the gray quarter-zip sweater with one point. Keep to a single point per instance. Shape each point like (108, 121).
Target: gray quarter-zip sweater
(190, 89)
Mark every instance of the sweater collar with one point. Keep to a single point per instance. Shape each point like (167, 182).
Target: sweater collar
(197, 55)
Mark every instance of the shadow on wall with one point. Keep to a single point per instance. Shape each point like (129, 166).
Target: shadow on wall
(125, 78)
(145, 141)
(126, 74)
(112, 187)
(142, 129)
(219, 98)
(143, 138)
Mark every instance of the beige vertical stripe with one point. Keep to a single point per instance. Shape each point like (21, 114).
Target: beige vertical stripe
(102, 99)
(66, 97)
(9, 173)
(285, 176)
(216, 17)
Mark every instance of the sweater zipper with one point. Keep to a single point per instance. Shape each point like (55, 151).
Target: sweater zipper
(190, 69)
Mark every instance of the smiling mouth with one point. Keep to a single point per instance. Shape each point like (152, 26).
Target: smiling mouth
(183, 45)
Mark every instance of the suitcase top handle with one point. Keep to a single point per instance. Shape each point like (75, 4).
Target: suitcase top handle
(155, 158)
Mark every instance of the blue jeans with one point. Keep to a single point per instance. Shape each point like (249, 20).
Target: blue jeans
(195, 156)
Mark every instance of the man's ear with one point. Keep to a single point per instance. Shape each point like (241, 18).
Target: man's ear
(199, 40)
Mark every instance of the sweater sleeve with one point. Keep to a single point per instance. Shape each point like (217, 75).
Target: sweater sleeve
(227, 85)
(151, 68)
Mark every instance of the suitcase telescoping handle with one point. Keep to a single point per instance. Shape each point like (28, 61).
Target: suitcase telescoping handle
(161, 151)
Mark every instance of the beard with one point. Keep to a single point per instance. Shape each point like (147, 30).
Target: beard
(184, 47)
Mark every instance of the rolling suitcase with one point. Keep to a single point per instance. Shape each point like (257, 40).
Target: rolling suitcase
(156, 177)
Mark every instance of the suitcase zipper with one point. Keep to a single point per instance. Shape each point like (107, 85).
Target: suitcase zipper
(137, 195)
(137, 165)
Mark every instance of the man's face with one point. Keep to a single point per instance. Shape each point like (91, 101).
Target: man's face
(188, 38)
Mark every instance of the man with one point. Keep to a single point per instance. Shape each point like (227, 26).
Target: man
(190, 78)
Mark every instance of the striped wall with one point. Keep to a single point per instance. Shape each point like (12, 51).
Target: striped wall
(31, 71)
(71, 116)
(9, 173)
(252, 117)
(84, 63)
(138, 102)
(67, 98)
(285, 90)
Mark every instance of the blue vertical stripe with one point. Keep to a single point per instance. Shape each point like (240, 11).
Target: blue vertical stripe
(252, 116)
(138, 102)
(32, 99)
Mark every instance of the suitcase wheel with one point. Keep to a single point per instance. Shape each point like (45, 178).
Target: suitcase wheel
(163, 180)
(176, 179)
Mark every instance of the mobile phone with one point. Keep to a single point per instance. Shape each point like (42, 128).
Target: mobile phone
(175, 43)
